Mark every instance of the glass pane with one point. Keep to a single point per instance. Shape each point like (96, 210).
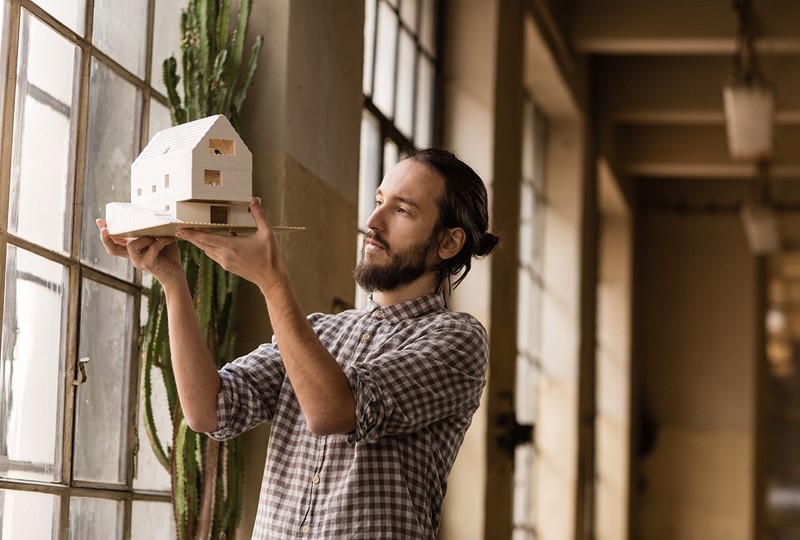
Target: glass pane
(423, 132)
(166, 40)
(70, 12)
(523, 309)
(28, 515)
(44, 125)
(152, 520)
(102, 402)
(427, 30)
(383, 96)
(159, 118)
(391, 155)
(369, 166)
(120, 29)
(113, 143)
(4, 7)
(32, 368)
(150, 474)
(408, 13)
(524, 493)
(404, 118)
(369, 45)
(95, 519)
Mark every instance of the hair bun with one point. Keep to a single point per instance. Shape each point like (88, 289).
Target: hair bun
(486, 245)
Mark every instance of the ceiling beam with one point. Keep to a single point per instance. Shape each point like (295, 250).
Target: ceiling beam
(678, 27)
(685, 89)
(696, 152)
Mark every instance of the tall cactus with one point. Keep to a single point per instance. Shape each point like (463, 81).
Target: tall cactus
(207, 477)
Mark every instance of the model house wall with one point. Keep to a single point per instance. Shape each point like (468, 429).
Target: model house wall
(200, 171)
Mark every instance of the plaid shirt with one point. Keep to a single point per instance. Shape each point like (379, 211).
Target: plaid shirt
(416, 370)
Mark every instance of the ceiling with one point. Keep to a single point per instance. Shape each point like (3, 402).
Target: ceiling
(658, 67)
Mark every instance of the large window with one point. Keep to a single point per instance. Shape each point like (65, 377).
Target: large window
(529, 316)
(400, 87)
(81, 96)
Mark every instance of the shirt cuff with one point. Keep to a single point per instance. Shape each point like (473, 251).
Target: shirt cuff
(227, 407)
(371, 410)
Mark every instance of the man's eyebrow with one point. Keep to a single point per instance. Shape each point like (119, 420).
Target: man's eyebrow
(402, 199)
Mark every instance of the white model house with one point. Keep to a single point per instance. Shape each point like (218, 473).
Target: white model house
(195, 173)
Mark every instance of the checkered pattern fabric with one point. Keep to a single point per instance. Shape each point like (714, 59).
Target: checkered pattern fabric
(417, 371)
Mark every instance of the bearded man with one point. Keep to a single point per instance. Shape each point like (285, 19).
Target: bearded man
(368, 407)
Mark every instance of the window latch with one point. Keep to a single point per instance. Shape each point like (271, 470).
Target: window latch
(81, 376)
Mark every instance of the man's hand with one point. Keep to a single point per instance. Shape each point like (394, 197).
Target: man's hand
(255, 258)
(158, 256)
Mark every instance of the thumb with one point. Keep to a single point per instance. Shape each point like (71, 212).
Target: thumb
(259, 215)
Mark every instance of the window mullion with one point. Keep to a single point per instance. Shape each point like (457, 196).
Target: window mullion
(396, 62)
(9, 97)
(75, 274)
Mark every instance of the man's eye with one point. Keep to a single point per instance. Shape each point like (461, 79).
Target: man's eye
(402, 210)
(378, 203)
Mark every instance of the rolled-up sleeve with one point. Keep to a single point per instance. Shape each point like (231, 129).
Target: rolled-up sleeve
(249, 390)
(435, 376)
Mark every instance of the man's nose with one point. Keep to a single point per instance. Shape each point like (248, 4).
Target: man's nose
(375, 220)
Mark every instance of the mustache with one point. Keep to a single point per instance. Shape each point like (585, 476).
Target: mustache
(377, 239)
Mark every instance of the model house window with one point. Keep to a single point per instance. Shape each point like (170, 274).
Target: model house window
(166, 181)
(79, 89)
(221, 147)
(219, 214)
(212, 178)
(400, 79)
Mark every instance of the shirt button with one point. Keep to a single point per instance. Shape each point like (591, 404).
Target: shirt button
(365, 336)
(379, 314)
(315, 479)
(306, 528)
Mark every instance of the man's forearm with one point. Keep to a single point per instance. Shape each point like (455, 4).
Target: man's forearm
(195, 371)
(318, 381)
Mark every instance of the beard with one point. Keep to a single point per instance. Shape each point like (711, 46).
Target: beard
(403, 267)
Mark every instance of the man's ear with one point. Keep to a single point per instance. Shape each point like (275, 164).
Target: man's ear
(451, 243)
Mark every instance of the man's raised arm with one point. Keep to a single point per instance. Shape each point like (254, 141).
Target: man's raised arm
(195, 371)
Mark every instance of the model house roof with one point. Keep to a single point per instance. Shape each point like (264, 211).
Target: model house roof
(183, 137)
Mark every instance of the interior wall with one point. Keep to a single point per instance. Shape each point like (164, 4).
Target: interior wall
(468, 125)
(613, 362)
(304, 136)
(695, 347)
(557, 431)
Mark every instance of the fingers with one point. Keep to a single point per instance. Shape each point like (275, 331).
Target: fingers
(203, 240)
(259, 215)
(113, 247)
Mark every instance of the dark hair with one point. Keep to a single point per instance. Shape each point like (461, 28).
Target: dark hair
(464, 203)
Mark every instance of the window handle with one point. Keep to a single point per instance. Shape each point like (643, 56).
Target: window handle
(81, 377)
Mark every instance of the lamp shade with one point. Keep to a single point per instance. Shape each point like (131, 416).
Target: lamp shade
(749, 110)
(761, 228)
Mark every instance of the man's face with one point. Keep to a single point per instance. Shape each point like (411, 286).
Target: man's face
(400, 246)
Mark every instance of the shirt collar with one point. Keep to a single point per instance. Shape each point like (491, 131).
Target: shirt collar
(407, 310)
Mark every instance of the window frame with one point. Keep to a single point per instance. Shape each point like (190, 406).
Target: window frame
(78, 270)
(389, 132)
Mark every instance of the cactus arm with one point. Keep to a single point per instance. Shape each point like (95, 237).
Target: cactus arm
(239, 35)
(251, 70)
(204, 295)
(223, 22)
(149, 420)
(171, 79)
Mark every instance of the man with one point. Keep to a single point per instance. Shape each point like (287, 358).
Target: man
(368, 407)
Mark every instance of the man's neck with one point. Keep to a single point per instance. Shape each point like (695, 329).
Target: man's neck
(422, 286)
